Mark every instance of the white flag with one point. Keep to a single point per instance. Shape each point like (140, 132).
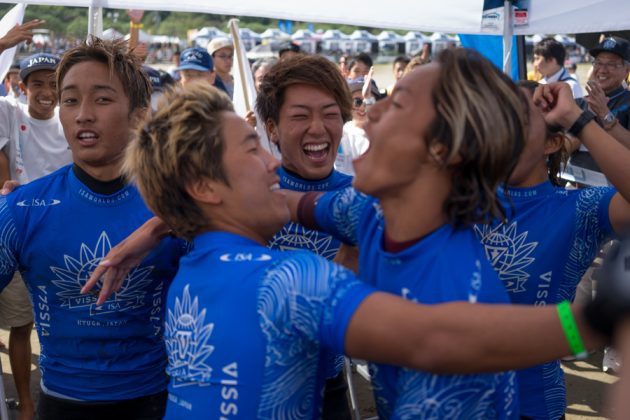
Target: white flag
(244, 98)
(13, 17)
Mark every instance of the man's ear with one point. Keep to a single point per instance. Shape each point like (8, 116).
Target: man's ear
(204, 190)
(439, 153)
(554, 143)
(272, 131)
(138, 115)
(22, 87)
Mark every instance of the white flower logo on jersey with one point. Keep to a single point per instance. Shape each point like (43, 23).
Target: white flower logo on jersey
(186, 338)
(294, 236)
(72, 277)
(508, 253)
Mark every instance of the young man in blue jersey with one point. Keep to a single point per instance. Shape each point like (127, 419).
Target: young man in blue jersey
(32, 145)
(248, 328)
(97, 361)
(541, 263)
(394, 120)
(304, 102)
(431, 171)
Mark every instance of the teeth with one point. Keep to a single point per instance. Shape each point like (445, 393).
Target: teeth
(87, 136)
(274, 187)
(47, 103)
(315, 147)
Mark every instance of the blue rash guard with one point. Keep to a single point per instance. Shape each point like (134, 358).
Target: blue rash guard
(294, 236)
(447, 265)
(540, 254)
(247, 328)
(56, 231)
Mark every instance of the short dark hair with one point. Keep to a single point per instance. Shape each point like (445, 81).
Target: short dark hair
(362, 58)
(15, 68)
(289, 47)
(550, 48)
(401, 59)
(270, 61)
(312, 70)
(126, 65)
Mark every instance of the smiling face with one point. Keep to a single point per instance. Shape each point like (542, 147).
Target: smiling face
(308, 131)
(252, 183)
(609, 70)
(359, 112)
(96, 118)
(397, 125)
(41, 94)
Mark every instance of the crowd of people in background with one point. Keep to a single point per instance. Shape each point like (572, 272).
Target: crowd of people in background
(380, 233)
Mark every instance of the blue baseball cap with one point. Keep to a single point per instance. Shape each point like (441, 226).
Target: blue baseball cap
(41, 61)
(154, 77)
(195, 59)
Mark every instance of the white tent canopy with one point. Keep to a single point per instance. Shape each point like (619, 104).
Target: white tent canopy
(112, 33)
(451, 16)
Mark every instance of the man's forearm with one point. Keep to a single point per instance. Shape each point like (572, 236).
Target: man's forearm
(621, 134)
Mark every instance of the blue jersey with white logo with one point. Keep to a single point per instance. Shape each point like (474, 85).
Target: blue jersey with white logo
(56, 231)
(248, 329)
(294, 236)
(550, 239)
(447, 265)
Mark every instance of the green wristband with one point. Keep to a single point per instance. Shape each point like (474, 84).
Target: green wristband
(571, 331)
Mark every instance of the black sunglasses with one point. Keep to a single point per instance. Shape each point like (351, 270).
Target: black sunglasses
(357, 102)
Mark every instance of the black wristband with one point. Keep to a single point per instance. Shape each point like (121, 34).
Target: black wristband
(306, 209)
(584, 118)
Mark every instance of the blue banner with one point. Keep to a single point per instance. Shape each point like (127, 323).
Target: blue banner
(491, 47)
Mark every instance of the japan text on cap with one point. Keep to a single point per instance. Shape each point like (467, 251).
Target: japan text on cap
(41, 61)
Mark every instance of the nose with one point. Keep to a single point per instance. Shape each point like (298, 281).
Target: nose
(85, 113)
(48, 91)
(317, 127)
(270, 161)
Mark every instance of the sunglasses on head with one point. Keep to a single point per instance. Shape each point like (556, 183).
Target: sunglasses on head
(357, 102)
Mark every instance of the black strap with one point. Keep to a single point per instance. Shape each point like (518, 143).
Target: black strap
(584, 118)
(566, 76)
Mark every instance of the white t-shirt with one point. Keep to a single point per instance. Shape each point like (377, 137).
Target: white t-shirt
(563, 75)
(353, 144)
(34, 147)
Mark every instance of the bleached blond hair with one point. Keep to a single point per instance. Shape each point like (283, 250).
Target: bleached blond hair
(179, 144)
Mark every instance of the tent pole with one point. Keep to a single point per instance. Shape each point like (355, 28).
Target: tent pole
(508, 31)
(521, 56)
(95, 21)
